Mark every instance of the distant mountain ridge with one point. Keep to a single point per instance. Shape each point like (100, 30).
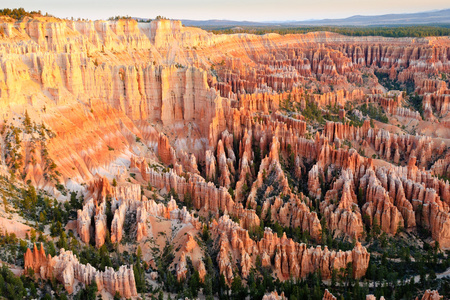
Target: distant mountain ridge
(422, 18)
(431, 17)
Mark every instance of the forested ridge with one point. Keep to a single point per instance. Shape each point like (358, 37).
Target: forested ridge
(387, 31)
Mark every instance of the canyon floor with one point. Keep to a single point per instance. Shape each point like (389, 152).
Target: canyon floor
(154, 160)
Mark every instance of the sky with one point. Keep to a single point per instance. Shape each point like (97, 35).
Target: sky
(249, 10)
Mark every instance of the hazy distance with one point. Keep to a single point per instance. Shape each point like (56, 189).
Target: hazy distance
(251, 10)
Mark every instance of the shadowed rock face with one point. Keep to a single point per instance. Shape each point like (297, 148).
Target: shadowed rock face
(230, 126)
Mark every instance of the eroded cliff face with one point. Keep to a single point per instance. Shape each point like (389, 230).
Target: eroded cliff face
(165, 128)
(83, 75)
(85, 92)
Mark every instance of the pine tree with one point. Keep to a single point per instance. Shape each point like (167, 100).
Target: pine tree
(194, 284)
(5, 204)
(27, 122)
(237, 289)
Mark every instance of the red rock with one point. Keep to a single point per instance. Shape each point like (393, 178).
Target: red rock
(378, 205)
(181, 268)
(116, 92)
(345, 215)
(431, 295)
(66, 267)
(201, 270)
(274, 296)
(291, 259)
(328, 296)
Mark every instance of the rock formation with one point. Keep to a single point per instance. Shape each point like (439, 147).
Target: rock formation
(328, 296)
(274, 296)
(431, 295)
(290, 259)
(158, 121)
(66, 269)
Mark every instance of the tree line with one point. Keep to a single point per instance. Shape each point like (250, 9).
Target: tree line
(388, 31)
(20, 13)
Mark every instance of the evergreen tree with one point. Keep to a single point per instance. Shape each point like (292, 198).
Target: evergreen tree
(194, 284)
(237, 289)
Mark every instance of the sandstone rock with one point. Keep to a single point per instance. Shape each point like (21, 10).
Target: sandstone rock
(328, 296)
(290, 258)
(345, 216)
(201, 270)
(431, 295)
(190, 244)
(65, 268)
(119, 94)
(274, 296)
(181, 268)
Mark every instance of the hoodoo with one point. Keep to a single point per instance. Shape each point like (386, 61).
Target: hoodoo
(153, 159)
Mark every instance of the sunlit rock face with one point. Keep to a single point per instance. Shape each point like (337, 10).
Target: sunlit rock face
(66, 269)
(166, 128)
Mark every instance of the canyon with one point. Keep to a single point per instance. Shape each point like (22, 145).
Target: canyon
(257, 148)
